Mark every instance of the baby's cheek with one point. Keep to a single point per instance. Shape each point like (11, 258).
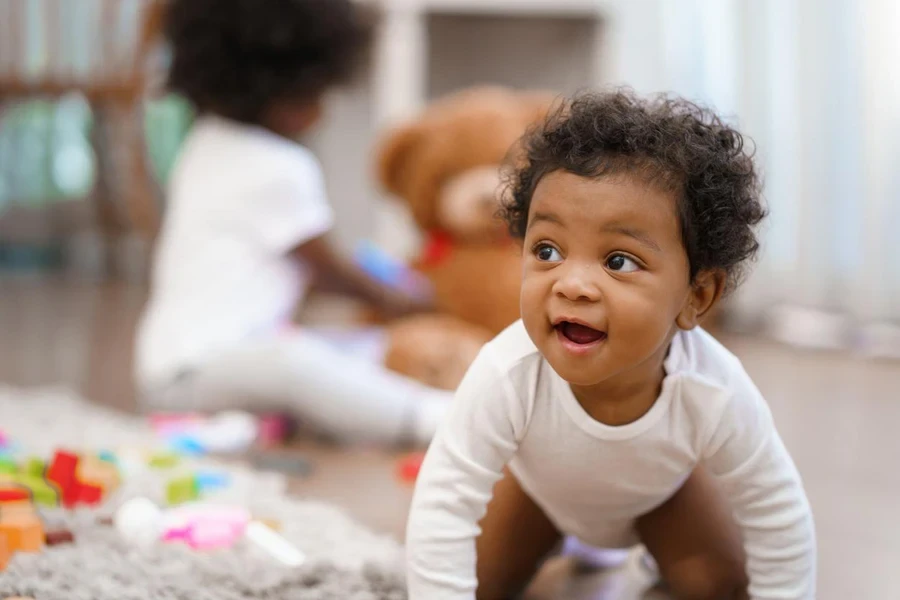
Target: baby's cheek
(641, 318)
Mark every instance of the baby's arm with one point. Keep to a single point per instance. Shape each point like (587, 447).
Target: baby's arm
(336, 272)
(758, 475)
(465, 460)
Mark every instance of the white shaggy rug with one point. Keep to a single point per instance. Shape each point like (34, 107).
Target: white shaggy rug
(344, 560)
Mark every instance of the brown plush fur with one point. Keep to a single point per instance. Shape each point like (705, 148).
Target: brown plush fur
(477, 279)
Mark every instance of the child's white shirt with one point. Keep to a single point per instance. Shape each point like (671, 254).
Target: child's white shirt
(240, 199)
(593, 480)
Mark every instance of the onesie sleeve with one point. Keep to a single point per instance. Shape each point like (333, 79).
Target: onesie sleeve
(748, 457)
(466, 458)
(290, 205)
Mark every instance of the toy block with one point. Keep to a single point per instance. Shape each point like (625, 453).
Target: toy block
(107, 456)
(89, 494)
(8, 465)
(10, 493)
(58, 536)
(5, 553)
(42, 491)
(95, 472)
(62, 472)
(181, 490)
(211, 480)
(164, 460)
(35, 467)
(23, 533)
(17, 510)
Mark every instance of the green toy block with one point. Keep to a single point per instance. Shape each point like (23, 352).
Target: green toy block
(164, 460)
(42, 492)
(8, 465)
(34, 467)
(183, 489)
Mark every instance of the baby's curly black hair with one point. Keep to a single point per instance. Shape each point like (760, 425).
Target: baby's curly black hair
(664, 141)
(236, 57)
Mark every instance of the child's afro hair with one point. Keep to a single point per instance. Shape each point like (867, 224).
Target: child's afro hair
(236, 57)
(664, 141)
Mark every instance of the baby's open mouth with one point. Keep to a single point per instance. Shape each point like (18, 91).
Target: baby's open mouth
(580, 334)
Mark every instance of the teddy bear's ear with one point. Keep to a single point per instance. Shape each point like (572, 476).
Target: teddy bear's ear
(394, 157)
(538, 105)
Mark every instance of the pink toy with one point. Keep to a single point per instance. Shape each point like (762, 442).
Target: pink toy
(273, 429)
(167, 424)
(204, 527)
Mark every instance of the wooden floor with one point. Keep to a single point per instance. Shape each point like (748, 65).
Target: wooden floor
(839, 416)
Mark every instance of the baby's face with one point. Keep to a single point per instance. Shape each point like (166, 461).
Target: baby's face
(605, 276)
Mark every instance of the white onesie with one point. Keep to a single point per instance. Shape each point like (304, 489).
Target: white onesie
(593, 480)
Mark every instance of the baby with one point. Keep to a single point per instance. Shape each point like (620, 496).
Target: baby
(607, 414)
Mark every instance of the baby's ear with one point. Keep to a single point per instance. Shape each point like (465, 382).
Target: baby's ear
(706, 291)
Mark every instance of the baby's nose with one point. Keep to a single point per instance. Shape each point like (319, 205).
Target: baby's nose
(578, 285)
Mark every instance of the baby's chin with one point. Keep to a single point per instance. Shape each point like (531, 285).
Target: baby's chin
(576, 375)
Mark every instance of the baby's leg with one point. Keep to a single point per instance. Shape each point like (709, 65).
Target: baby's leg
(341, 394)
(516, 537)
(696, 543)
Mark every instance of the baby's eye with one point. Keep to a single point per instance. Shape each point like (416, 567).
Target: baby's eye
(621, 264)
(547, 253)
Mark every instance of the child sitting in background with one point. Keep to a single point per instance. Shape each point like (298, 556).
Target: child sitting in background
(606, 413)
(246, 231)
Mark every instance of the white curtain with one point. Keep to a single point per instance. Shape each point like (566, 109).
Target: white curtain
(816, 84)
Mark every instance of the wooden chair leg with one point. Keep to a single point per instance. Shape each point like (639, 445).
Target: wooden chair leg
(107, 218)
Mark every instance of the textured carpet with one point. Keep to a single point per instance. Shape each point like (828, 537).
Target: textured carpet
(345, 560)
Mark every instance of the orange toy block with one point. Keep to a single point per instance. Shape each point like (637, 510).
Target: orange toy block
(22, 509)
(96, 473)
(23, 532)
(5, 554)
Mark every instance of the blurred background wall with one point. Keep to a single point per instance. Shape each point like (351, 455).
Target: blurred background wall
(813, 82)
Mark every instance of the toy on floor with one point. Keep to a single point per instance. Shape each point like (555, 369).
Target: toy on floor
(229, 432)
(20, 529)
(202, 527)
(69, 480)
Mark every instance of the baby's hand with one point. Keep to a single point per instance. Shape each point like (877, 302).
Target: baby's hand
(414, 296)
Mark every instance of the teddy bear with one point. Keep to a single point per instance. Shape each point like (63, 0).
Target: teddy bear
(446, 166)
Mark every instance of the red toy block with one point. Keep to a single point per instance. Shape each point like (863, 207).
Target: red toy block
(13, 494)
(62, 472)
(89, 494)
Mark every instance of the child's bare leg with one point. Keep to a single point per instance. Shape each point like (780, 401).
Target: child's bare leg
(696, 543)
(516, 537)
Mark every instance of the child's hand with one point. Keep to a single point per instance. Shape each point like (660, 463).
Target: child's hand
(406, 300)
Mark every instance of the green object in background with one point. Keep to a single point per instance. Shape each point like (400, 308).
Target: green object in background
(183, 489)
(34, 467)
(8, 465)
(41, 490)
(164, 460)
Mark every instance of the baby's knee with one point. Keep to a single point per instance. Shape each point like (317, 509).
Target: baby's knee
(707, 580)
